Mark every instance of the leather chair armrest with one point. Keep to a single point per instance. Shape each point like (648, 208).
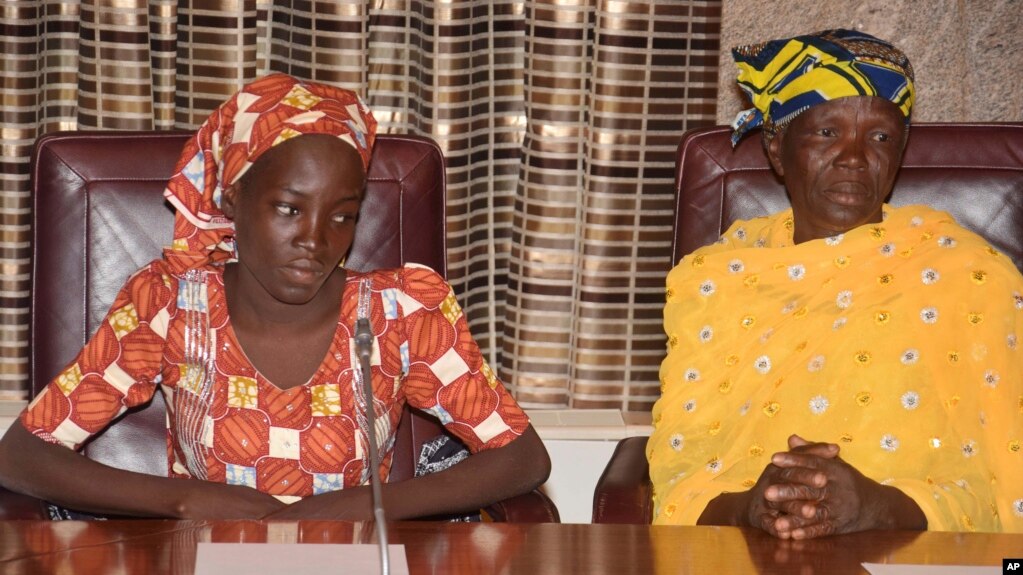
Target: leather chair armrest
(532, 507)
(624, 493)
(18, 506)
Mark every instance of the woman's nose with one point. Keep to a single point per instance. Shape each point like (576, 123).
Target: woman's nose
(851, 154)
(310, 235)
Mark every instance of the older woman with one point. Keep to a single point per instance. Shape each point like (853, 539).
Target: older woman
(844, 365)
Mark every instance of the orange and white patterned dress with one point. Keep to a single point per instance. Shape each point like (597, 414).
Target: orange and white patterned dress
(228, 423)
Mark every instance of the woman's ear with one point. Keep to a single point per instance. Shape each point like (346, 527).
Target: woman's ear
(773, 149)
(228, 199)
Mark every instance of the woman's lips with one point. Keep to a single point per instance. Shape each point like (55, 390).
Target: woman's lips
(847, 194)
(304, 272)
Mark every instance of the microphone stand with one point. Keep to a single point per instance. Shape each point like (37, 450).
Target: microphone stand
(364, 348)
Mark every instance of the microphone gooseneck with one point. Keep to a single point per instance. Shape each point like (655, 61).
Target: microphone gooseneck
(364, 350)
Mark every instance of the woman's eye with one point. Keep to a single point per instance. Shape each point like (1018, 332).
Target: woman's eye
(882, 137)
(286, 210)
(343, 218)
(827, 132)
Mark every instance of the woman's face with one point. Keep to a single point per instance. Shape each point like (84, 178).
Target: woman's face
(294, 213)
(839, 161)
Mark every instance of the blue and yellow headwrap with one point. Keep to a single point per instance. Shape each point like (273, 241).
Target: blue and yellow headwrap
(784, 78)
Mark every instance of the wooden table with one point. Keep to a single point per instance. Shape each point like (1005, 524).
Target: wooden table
(158, 546)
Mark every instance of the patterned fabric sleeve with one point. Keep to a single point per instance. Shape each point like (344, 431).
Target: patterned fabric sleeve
(448, 376)
(117, 369)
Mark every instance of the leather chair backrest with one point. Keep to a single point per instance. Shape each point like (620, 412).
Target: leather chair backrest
(99, 214)
(972, 171)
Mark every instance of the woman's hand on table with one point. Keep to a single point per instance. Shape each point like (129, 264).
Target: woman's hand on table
(352, 504)
(792, 487)
(210, 500)
(781, 491)
(821, 494)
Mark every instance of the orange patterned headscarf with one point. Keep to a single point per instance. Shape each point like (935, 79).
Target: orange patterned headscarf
(261, 115)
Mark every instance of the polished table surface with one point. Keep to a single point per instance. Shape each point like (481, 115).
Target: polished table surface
(165, 546)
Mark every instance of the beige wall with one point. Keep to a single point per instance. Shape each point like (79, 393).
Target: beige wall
(967, 54)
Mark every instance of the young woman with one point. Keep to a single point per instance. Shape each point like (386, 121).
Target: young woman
(246, 326)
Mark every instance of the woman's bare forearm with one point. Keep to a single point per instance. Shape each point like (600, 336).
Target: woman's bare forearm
(726, 509)
(899, 511)
(32, 466)
(479, 480)
(54, 473)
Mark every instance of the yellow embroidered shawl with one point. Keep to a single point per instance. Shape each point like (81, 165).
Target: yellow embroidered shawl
(898, 341)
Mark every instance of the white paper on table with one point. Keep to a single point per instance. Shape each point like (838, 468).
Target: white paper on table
(295, 559)
(888, 569)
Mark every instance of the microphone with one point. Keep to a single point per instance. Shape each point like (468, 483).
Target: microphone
(364, 349)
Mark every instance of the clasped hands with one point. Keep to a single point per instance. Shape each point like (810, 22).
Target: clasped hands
(809, 491)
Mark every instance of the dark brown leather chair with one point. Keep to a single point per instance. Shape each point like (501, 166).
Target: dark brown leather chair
(972, 171)
(99, 215)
